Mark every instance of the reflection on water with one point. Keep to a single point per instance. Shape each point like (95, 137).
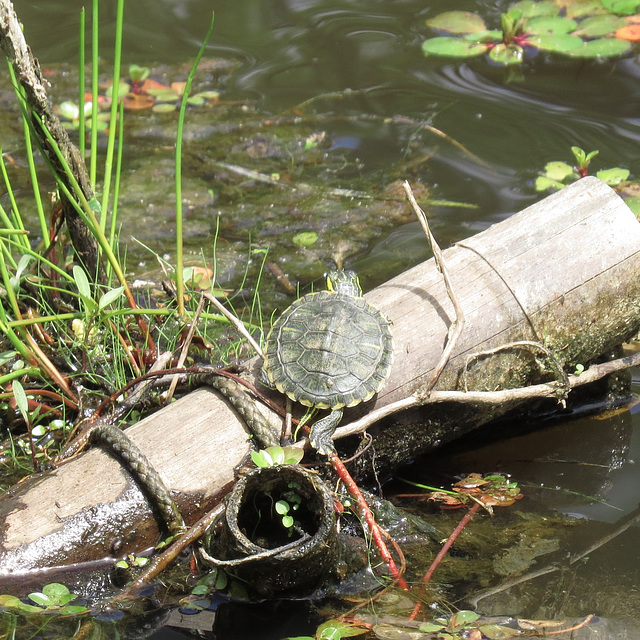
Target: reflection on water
(289, 52)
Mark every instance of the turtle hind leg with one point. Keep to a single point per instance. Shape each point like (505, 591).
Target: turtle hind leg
(321, 436)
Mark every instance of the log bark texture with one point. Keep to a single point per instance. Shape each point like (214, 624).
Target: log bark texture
(563, 272)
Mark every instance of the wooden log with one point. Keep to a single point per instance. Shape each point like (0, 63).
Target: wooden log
(563, 271)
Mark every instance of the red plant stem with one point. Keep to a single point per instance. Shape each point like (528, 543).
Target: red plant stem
(443, 552)
(376, 532)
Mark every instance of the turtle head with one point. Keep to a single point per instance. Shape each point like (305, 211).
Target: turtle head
(344, 282)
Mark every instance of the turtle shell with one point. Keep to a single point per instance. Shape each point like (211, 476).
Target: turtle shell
(329, 350)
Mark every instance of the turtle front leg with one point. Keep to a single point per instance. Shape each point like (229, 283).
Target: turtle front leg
(321, 436)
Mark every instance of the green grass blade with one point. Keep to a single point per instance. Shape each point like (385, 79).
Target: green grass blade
(113, 121)
(116, 187)
(81, 81)
(16, 222)
(93, 169)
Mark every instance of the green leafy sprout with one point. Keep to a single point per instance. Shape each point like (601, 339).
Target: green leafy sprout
(54, 598)
(558, 174)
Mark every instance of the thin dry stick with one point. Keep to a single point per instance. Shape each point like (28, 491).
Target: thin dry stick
(512, 396)
(237, 323)
(457, 326)
(185, 348)
(162, 561)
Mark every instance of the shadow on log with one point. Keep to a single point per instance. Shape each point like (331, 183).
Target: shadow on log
(563, 272)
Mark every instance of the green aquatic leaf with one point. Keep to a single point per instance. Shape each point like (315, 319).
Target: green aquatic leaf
(453, 47)
(550, 26)
(601, 48)
(633, 204)
(164, 95)
(164, 107)
(305, 238)
(123, 89)
(581, 8)
(12, 603)
(498, 632)
(598, 26)
(464, 617)
(484, 37)
(557, 170)
(561, 43)
(457, 22)
(614, 176)
(506, 54)
(261, 459)
(57, 593)
(543, 184)
(276, 453)
(624, 7)
(138, 74)
(531, 9)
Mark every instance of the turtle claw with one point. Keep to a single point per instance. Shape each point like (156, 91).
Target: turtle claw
(321, 436)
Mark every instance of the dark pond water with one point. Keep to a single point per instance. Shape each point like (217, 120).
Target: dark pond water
(362, 65)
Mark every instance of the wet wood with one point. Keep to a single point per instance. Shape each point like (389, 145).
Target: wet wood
(563, 272)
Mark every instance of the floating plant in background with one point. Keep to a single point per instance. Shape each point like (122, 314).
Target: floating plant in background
(138, 93)
(558, 174)
(575, 28)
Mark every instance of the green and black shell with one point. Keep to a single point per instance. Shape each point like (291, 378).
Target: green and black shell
(330, 350)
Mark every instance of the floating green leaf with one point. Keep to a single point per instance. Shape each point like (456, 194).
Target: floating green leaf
(305, 238)
(561, 43)
(601, 48)
(614, 176)
(123, 89)
(457, 22)
(164, 107)
(543, 183)
(452, 47)
(531, 9)
(625, 7)
(484, 37)
(634, 204)
(336, 629)
(550, 26)
(12, 603)
(557, 170)
(498, 632)
(598, 26)
(506, 54)
(581, 8)
(463, 617)
(164, 95)
(69, 110)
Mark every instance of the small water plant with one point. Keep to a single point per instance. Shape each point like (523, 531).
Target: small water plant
(558, 174)
(463, 624)
(55, 598)
(593, 29)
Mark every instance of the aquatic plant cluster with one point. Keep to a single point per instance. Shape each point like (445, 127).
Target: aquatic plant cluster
(574, 28)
